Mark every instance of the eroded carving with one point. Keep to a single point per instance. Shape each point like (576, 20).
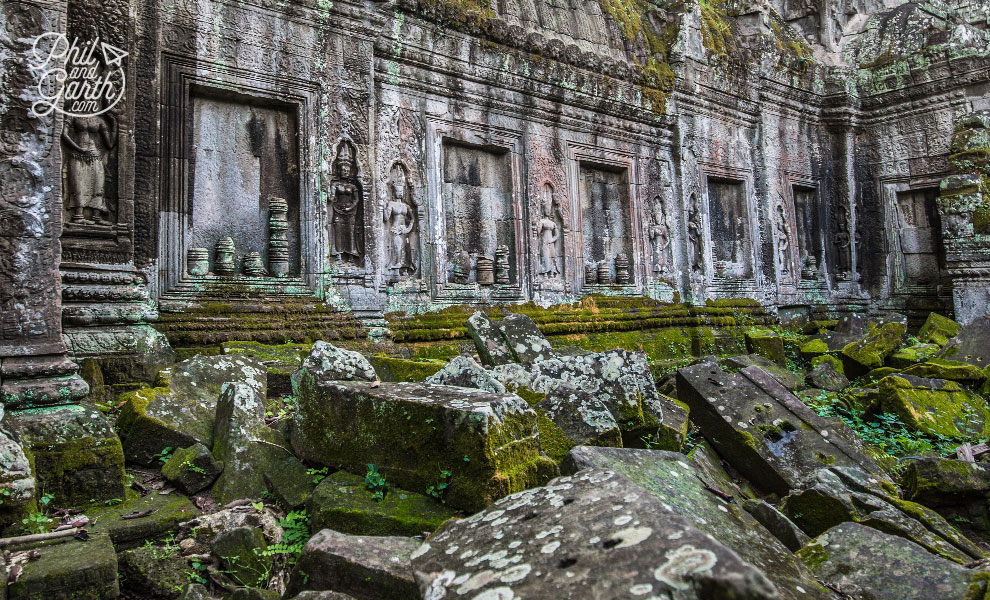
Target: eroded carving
(87, 143)
(549, 231)
(401, 222)
(346, 226)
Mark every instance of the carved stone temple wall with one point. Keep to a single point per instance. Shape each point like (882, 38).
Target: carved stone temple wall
(414, 154)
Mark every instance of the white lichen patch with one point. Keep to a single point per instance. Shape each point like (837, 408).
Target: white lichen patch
(683, 562)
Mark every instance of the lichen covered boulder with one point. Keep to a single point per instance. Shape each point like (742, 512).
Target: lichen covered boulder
(870, 351)
(938, 330)
(945, 481)
(935, 406)
(183, 413)
(153, 572)
(524, 339)
(327, 362)
(872, 565)
(17, 484)
(767, 344)
(623, 382)
(953, 370)
(463, 371)
(364, 567)
(905, 357)
(192, 469)
(777, 523)
(149, 517)
(971, 344)
(578, 418)
(786, 378)
(68, 569)
(827, 375)
(491, 346)
(594, 534)
(676, 483)
(343, 503)
(763, 430)
(280, 360)
(488, 442)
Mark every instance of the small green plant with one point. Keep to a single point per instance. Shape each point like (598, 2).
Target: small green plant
(39, 521)
(193, 468)
(165, 454)
(198, 572)
(295, 534)
(112, 501)
(258, 506)
(167, 549)
(437, 490)
(4, 494)
(375, 482)
(318, 474)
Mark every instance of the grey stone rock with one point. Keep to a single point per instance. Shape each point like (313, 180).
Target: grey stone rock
(512, 375)
(945, 481)
(17, 485)
(524, 339)
(870, 565)
(183, 413)
(194, 591)
(412, 431)
(763, 430)
(192, 469)
(839, 494)
(584, 419)
(786, 378)
(205, 529)
(244, 444)
(289, 481)
(329, 363)
(152, 572)
(488, 340)
(623, 382)
(825, 377)
(593, 535)
(365, 567)
(971, 345)
(67, 569)
(777, 523)
(463, 371)
(676, 483)
(240, 552)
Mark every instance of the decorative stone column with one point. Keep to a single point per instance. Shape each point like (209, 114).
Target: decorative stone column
(964, 208)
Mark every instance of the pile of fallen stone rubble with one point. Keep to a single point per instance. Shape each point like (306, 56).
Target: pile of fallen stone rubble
(532, 472)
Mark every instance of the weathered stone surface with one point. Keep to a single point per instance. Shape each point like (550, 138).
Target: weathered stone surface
(568, 539)
(836, 495)
(399, 369)
(463, 371)
(254, 593)
(17, 485)
(935, 406)
(866, 563)
(677, 484)
(205, 529)
(194, 591)
(68, 570)
(825, 376)
(777, 523)
(192, 469)
(786, 378)
(327, 362)
(938, 330)
(491, 346)
(524, 340)
(281, 361)
(152, 572)
(74, 450)
(945, 481)
(763, 430)
(183, 413)
(905, 357)
(869, 352)
(244, 444)
(343, 503)
(289, 482)
(767, 344)
(623, 382)
(163, 514)
(488, 442)
(954, 370)
(579, 417)
(365, 567)
(971, 345)
(240, 551)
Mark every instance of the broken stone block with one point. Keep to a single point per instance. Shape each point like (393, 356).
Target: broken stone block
(623, 382)
(594, 534)
(281, 361)
(365, 567)
(971, 345)
(935, 406)
(200, 533)
(905, 357)
(786, 378)
(343, 503)
(826, 376)
(74, 450)
(244, 444)
(953, 370)
(869, 352)
(513, 376)
(763, 430)
(17, 485)
(945, 481)
(152, 571)
(777, 523)
(578, 419)
(390, 368)
(192, 469)
(240, 550)
(524, 339)
(327, 362)
(872, 564)
(182, 414)
(68, 569)
(938, 330)
(412, 431)
(767, 344)
(289, 481)
(150, 517)
(463, 371)
(491, 346)
(681, 486)
(835, 495)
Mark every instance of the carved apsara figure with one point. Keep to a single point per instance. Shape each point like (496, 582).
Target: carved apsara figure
(88, 142)
(783, 241)
(548, 231)
(659, 237)
(345, 201)
(694, 235)
(400, 220)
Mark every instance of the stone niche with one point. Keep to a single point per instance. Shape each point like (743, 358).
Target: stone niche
(479, 214)
(728, 217)
(606, 224)
(917, 231)
(243, 154)
(808, 221)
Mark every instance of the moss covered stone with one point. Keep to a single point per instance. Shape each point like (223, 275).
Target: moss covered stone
(938, 329)
(163, 513)
(945, 481)
(74, 450)
(576, 418)
(935, 406)
(401, 369)
(280, 360)
(870, 351)
(488, 442)
(905, 357)
(813, 348)
(954, 370)
(766, 343)
(241, 551)
(343, 503)
(68, 569)
(153, 572)
(192, 469)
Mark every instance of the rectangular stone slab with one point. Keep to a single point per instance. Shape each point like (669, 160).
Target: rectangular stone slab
(769, 435)
(413, 431)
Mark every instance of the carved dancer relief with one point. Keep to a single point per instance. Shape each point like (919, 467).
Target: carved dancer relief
(400, 215)
(694, 237)
(783, 239)
(549, 232)
(87, 143)
(346, 227)
(659, 236)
